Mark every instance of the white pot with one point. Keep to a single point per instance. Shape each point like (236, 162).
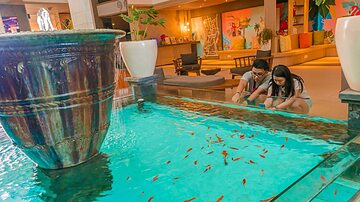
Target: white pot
(347, 38)
(139, 57)
(266, 46)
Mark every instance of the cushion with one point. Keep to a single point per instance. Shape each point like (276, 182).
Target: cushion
(188, 59)
(294, 38)
(319, 37)
(305, 40)
(285, 43)
(191, 67)
(195, 81)
(238, 43)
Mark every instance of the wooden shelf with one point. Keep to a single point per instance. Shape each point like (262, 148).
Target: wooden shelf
(298, 19)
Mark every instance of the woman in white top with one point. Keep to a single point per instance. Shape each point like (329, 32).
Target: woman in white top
(287, 92)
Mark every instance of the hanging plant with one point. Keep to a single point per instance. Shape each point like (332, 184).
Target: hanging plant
(320, 6)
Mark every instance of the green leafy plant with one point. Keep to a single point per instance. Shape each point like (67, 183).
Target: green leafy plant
(140, 18)
(320, 6)
(257, 28)
(265, 35)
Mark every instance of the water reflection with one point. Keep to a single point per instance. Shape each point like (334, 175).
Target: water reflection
(85, 182)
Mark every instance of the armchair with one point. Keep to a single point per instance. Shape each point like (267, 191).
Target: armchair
(187, 63)
(244, 64)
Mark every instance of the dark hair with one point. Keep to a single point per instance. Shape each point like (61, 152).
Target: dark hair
(283, 71)
(261, 64)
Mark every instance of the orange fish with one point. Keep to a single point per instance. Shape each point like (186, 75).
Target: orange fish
(168, 162)
(176, 178)
(265, 151)
(252, 136)
(235, 131)
(286, 139)
(252, 162)
(335, 192)
(208, 167)
(233, 148)
(242, 136)
(220, 198)
(268, 200)
(189, 150)
(151, 198)
(262, 156)
(225, 154)
(195, 162)
(192, 133)
(219, 138)
(282, 146)
(236, 159)
(274, 130)
(186, 156)
(323, 178)
(155, 178)
(189, 200)
(244, 181)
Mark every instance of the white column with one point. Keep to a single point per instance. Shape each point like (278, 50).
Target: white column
(2, 28)
(82, 14)
(270, 21)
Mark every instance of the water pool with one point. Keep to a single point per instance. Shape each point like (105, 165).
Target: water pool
(178, 150)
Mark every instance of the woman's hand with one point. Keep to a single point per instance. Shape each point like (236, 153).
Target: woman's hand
(236, 98)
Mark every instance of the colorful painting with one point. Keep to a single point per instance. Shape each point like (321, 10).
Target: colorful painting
(238, 27)
(283, 24)
(342, 8)
(206, 29)
(11, 24)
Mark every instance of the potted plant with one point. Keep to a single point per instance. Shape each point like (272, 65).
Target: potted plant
(265, 37)
(140, 55)
(255, 40)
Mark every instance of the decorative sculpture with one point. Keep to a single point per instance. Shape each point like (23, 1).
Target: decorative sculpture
(43, 20)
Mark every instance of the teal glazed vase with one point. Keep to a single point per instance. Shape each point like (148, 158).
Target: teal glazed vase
(56, 91)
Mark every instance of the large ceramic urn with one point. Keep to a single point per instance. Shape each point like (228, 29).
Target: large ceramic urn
(347, 37)
(56, 92)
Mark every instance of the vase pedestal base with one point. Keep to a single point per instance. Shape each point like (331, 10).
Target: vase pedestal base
(352, 98)
(143, 88)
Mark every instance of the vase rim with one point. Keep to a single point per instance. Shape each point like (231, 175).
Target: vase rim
(118, 32)
(347, 17)
(138, 41)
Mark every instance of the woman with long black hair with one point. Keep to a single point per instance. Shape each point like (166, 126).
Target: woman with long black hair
(287, 92)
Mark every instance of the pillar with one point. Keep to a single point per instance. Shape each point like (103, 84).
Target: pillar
(2, 28)
(270, 21)
(82, 14)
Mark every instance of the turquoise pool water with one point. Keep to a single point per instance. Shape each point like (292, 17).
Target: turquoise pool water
(180, 150)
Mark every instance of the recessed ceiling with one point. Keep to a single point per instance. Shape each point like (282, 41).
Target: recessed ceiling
(186, 5)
